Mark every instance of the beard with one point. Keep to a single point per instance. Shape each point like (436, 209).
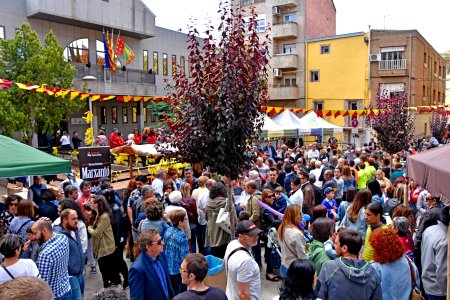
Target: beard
(73, 228)
(40, 239)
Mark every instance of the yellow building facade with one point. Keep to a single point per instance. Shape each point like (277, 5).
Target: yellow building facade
(337, 78)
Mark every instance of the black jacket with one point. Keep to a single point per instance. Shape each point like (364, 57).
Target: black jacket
(269, 220)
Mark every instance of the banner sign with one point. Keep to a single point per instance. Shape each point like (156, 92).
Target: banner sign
(95, 163)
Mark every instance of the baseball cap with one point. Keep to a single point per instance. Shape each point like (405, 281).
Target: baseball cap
(327, 190)
(247, 227)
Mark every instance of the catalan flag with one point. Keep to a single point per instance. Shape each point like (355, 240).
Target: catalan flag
(124, 51)
(105, 48)
(110, 44)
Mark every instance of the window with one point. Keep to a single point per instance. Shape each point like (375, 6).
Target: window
(103, 117)
(114, 115)
(352, 105)
(389, 90)
(155, 62)
(392, 53)
(261, 24)
(134, 115)
(318, 105)
(145, 60)
(165, 67)
(290, 81)
(289, 48)
(2, 32)
(289, 18)
(183, 64)
(174, 65)
(314, 76)
(124, 114)
(324, 49)
(425, 59)
(145, 114)
(100, 60)
(190, 68)
(246, 2)
(77, 51)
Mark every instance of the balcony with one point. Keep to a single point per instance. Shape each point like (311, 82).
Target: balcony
(131, 19)
(285, 61)
(392, 68)
(284, 30)
(129, 82)
(283, 3)
(282, 92)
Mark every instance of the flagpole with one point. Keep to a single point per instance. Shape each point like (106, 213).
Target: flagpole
(104, 65)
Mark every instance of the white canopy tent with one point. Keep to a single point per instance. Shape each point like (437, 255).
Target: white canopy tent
(288, 120)
(272, 129)
(314, 125)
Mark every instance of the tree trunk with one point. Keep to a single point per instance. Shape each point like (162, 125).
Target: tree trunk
(230, 204)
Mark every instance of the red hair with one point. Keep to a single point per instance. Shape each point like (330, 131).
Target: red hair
(386, 245)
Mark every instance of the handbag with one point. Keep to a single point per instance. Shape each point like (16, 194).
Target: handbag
(275, 258)
(223, 218)
(415, 293)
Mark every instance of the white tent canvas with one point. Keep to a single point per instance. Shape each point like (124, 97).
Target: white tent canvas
(315, 125)
(288, 120)
(272, 129)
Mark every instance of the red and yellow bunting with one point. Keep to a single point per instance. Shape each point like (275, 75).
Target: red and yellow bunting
(269, 110)
(73, 94)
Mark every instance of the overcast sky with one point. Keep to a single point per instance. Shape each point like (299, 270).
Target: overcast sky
(430, 18)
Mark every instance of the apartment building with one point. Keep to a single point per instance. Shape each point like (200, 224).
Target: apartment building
(78, 25)
(291, 22)
(338, 79)
(402, 60)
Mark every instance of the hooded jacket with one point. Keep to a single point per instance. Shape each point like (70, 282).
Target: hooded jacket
(317, 255)
(348, 279)
(216, 236)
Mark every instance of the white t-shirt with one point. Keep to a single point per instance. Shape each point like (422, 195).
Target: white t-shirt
(242, 267)
(24, 267)
(201, 206)
(65, 140)
(297, 197)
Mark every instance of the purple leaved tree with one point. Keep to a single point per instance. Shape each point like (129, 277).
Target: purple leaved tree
(439, 124)
(218, 111)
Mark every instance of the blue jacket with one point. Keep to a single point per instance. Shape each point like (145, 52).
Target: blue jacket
(144, 281)
(76, 255)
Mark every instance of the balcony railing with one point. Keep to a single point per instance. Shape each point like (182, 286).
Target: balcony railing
(397, 64)
(129, 76)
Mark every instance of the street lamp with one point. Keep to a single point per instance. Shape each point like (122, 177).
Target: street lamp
(94, 120)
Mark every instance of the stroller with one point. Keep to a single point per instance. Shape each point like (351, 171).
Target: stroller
(272, 242)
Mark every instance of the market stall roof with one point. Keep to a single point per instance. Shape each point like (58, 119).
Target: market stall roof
(22, 160)
(288, 120)
(431, 169)
(272, 129)
(314, 125)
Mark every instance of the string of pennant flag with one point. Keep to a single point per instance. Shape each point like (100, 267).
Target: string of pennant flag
(269, 110)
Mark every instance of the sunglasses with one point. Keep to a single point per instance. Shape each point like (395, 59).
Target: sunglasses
(14, 204)
(159, 242)
(271, 196)
(183, 271)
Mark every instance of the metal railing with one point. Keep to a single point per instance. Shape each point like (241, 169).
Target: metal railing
(129, 75)
(397, 64)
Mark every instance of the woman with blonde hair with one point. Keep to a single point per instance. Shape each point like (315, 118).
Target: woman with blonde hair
(291, 237)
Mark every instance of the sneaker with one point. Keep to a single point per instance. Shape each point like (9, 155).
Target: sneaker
(93, 270)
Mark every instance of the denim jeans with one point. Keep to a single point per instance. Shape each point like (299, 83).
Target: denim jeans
(431, 297)
(66, 296)
(77, 287)
(283, 271)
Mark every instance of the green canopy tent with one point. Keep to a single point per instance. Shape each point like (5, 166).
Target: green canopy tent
(18, 159)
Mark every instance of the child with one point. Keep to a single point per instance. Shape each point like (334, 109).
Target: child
(279, 203)
(328, 245)
(330, 203)
(31, 247)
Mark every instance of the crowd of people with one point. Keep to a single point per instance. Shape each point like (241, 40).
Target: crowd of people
(329, 223)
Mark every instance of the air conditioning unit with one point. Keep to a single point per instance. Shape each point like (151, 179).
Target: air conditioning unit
(277, 73)
(276, 10)
(375, 57)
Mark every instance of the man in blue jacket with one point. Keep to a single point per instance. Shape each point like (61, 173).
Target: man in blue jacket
(69, 227)
(149, 274)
